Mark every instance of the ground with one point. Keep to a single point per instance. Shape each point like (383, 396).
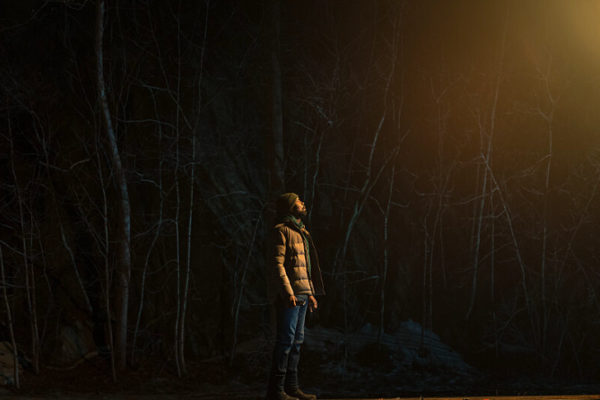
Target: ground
(333, 365)
(218, 379)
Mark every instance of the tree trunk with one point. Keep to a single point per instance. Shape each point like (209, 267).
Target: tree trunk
(107, 271)
(386, 245)
(123, 271)
(188, 261)
(240, 296)
(277, 180)
(487, 160)
(157, 232)
(549, 119)
(28, 266)
(9, 321)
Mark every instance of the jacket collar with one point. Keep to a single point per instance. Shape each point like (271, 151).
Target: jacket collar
(295, 224)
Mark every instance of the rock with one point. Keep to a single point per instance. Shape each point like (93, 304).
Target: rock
(409, 347)
(74, 343)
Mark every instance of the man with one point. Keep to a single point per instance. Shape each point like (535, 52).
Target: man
(296, 280)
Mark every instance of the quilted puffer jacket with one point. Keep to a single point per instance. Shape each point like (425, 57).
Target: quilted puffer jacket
(288, 263)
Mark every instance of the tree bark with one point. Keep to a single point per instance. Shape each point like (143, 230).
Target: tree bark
(157, 231)
(123, 271)
(9, 321)
(107, 275)
(28, 266)
(386, 245)
(277, 179)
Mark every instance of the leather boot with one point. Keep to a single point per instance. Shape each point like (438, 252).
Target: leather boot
(279, 395)
(291, 386)
(300, 395)
(275, 387)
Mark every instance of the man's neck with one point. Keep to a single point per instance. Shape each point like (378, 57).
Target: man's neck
(295, 219)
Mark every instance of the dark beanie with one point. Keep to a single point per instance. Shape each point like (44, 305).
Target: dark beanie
(285, 203)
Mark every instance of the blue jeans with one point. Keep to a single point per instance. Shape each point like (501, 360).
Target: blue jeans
(289, 339)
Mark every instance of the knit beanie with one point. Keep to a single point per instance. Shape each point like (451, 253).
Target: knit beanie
(285, 202)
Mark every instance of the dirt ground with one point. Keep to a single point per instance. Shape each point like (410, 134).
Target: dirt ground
(154, 379)
(246, 379)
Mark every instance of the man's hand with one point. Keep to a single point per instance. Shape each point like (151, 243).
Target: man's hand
(292, 301)
(312, 303)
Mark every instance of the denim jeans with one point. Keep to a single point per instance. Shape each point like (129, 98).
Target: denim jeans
(289, 339)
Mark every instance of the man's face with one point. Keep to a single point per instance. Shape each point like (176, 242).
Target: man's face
(299, 209)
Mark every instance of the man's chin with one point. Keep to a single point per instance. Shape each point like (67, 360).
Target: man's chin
(300, 214)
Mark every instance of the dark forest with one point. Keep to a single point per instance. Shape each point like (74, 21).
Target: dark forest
(447, 151)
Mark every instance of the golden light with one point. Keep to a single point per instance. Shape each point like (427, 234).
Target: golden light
(583, 25)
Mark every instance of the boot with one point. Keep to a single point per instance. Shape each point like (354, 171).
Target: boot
(300, 395)
(292, 387)
(279, 396)
(275, 387)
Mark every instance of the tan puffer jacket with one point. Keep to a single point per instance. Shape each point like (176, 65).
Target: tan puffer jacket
(289, 263)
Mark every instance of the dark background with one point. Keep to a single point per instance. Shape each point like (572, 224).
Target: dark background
(447, 152)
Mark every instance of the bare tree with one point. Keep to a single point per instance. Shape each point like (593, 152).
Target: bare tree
(194, 161)
(548, 117)
(123, 271)
(487, 132)
(277, 170)
(9, 320)
(28, 268)
(384, 274)
(105, 248)
(157, 228)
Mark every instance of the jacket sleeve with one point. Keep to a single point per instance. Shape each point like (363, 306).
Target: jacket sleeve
(279, 248)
